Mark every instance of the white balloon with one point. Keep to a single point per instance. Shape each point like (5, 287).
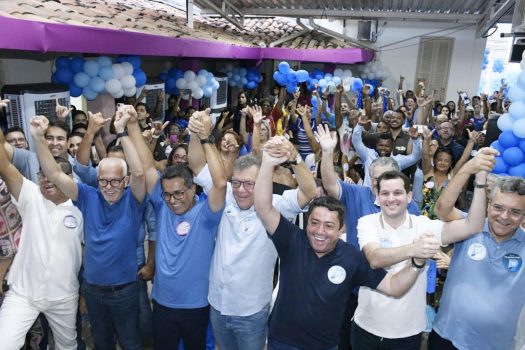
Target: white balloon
(192, 85)
(189, 75)
(185, 97)
(201, 80)
(127, 81)
(128, 68)
(198, 93)
(338, 72)
(522, 64)
(216, 85)
(118, 71)
(244, 81)
(180, 83)
(118, 94)
(113, 86)
(203, 72)
(130, 92)
(347, 73)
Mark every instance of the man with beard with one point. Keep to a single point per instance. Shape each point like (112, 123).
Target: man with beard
(446, 139)
(384, 148)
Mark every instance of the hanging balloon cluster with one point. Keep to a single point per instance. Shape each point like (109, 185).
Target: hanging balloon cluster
(498, 66)
(248, 78)
(374, 71)
(285, 76)
(485, 59)
(202, 84)
(96, 76)
(511, 142)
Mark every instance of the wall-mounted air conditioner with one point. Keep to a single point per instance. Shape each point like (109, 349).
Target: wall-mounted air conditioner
(29, 100)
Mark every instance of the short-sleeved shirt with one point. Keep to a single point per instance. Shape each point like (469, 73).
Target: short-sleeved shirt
(10, 224)
(484, 292)
(50, 253)
(111, 234)
(185, 245)
(313, 291)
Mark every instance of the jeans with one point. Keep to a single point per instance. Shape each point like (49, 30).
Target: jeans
(277, 345)
(145, 313)
(345, 341)
(436, 342)
(170, 326)
(113, 310)
(363, 340)
(240, 332)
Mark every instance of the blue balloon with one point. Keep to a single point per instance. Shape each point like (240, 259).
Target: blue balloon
(496, 145)
(104, 61)
(516, 93)
(518, 170)
(521, 80)
(500, 166)
(513, 156)
(91, 68)
(521, 145)
(251, 85)
(163, 76)
(284, 67)
(106, 73)
(54, 78)
(77, 64)
(357, 85)
(314, 101)
(280, 78)
(171, 84)
(507, 139)
(291, 87)
(62, 62)
(135, 61)
(81, 79)
(505, 122)
(140, 77)
(291, 77)
(64, 75)
(97, 84)
(208, 91)
(519, 128)
(74, 91)
(517, 110)
(89, 94)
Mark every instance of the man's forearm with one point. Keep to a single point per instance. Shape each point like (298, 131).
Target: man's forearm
(84, 148)
(444, 208)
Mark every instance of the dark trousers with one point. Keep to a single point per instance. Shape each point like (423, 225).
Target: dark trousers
(363, 340)
(345, 341)
(170, 326)
(436, 342)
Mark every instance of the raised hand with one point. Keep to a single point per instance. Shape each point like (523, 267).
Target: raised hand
(158, 128)
(362, 119)
(201, 123)
(427, 133)
(96, 122)
(275, 152)
(412, 132)
(327, 140)
(256, 113)
(425, 246)
(121, 120)
(473, 135)
(483, 161)
(62, 112)
(38, 126)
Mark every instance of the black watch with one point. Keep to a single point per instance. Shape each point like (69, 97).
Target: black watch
(417, 266)
(485, 185)
(122, 134)
(209, 139)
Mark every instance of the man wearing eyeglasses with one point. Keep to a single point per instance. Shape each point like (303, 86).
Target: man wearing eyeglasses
(113, 214)
(186, 232)
(243, 262)
(43, 275)
(484, 290)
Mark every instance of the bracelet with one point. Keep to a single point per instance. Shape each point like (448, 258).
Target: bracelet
(476, 185)
(122, 134)
(417, 265)
(155, 136)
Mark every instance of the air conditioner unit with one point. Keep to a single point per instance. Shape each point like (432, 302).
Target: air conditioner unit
(219, 98)
(153, 86)
(364, 30)
(29, 100)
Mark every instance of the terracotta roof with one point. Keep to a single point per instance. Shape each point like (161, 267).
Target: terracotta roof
(152, 17)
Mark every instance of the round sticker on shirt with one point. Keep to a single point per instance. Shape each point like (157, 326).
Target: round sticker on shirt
(385, 243)
(512, 262)
(477, 251)
(70, 221)
(336, 274)
(183, 228)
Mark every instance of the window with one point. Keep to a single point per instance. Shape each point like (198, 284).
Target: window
(433, 65)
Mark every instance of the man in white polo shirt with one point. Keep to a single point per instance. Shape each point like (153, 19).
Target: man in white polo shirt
(43, 275)
(392, 239)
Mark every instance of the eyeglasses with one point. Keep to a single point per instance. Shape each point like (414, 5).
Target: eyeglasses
(500, 209)
(180, 157)
(175, 194)
(113, 182)
(248, 185)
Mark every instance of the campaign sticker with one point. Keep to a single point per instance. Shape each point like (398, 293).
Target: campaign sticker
(70, 221)
(336, 274)
(385, 243)
(512, 262)
(477, 251)
(183, 228)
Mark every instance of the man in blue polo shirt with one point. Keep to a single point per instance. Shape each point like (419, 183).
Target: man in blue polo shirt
(318, 270)
(112, 216)
(186, 231)
(484, 291)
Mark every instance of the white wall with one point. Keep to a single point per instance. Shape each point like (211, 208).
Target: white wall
(401, 58)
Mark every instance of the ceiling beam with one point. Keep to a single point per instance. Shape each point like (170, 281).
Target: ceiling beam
(491, 18)
(227, 11)
(359, 14)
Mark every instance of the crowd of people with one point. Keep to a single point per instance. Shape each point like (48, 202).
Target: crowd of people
(291, 221)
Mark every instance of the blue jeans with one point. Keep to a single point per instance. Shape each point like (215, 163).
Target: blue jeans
(363, 340)
(240, 332)
(145, 313)
(113, 310)
(277, 345)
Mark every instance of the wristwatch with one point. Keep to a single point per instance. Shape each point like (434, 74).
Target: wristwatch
(417, 266)
(298, 160)
(210, 139)
(485, 185)
(122, 134)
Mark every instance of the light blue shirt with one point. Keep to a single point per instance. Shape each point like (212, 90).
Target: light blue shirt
(368, 155)
(484, 292)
